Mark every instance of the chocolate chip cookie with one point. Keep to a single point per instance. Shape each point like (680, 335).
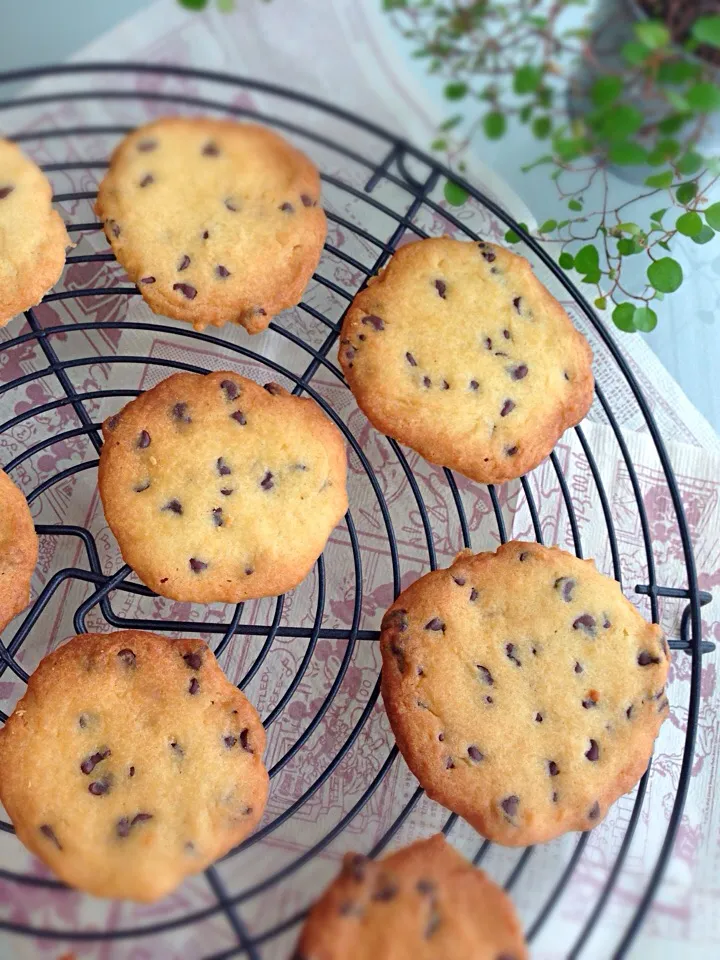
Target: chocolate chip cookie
(458, 351)
(132, 762)
(423, 902)
(33, 237)
(215, 221)
(18, 550)
(219, 489)
(525, 692)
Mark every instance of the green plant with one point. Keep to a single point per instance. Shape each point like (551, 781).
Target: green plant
(514, 60)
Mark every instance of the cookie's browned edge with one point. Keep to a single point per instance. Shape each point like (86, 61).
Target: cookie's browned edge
(19, 559)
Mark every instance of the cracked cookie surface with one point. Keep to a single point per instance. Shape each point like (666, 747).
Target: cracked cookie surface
(217, 488)
(33, 238)
(215, 221)
(18, 550)
(132, 762)
(422, 902)
(524, 690)
(458, 351)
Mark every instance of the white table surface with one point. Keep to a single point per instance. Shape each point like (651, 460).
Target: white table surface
(687, 338)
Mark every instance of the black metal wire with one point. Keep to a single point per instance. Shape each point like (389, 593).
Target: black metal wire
(391, 168)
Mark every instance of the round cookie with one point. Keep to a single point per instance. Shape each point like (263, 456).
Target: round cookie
(524, 690)
(18, 550)
(33, 237)
(458, 351)
(132, 762)
(423, 902)
(215, 221)
(219, 489)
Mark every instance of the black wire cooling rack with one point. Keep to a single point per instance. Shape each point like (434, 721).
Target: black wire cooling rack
(387, 190)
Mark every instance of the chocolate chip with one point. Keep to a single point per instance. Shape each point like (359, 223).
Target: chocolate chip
(356, 866)
(222, 468)
(427, 382)
(473, 384)
(664, 703)
(435, 624)
(306, 200)
(267, 481)
(143, 440)
(506, 334)
(217, 516)
(349, 909)
(145, 146)
(377, 323)
(174, 506)
(127, 657)
(516, 303)
(566, 586)
(421, 705)
(222, 271)
(197, 566)
(420, 672)
(229, 741)
(538, 718)
(607, 622)
(98, 787)
(397, 651)
(449, 765)
(186, 290)
(425, 887)
(206, 235)
(194, 686)
(510, 653)
(140, 818)
(226, 491)
(131, 772)
(594, 811)
(511, 451)
(510, 805)
(555, 796)
(589, 704)
(147, 180)
(587, 623)
(629, 711)
(475, 754)
(488, 255)
(594, 752)
(553, 768)
(444, 385)
(47, 831)
(211, 149)
(274, 389)
(122, 828)
(488, 343)
(411, 359)
(83, 721)
(140, 487)
(231, 205)
(244, 734)
(488, 699)
(239, 417)
(5, 192)
(460, 581)
(441, 737)
(578, 668)
(249, 571)
(115, 230)
(89, 763)
(522, 557)
(148, 280)
(433, 922)
(395, 620)
(193, 661)
(518, 372)
(387, 889)
(646, 659)
(441, 288)
(485, 675)
(175, 746)
(179, 412)
(507, 408)
(286, 207)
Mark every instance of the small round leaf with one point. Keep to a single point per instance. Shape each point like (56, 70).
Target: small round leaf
(587, 259)
(712, 215)
(705, 236)
(455, 90)
(704, 97)
(194, 4)
(660, 180)
(707, 30)
(623, 315)
(541, 127)
(548, 226)
(644, 319)
(665, 275)
(454, 193)
(566, 261)
(600, 303)
(606, 90)
(689, 224)
(652, 34)
(527, 79)
(686, 192)
(626, 153)
(494, 124)
(690, 163)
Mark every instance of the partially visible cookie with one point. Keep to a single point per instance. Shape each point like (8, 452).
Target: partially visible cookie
(216, 221)
(423, 902)
(219, 489)
(132, 762)
(458, 351)
(18, 550)
(33, 237)
(524, 690)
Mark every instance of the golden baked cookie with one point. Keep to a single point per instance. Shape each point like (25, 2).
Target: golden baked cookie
(458, 351)
(18, 550)
(132, 762)
(423, 902)
(215, 221)
(33, 238)
(219, 489)
(524, 690)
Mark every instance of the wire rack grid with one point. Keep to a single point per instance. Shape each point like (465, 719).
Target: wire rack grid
(67, 363)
